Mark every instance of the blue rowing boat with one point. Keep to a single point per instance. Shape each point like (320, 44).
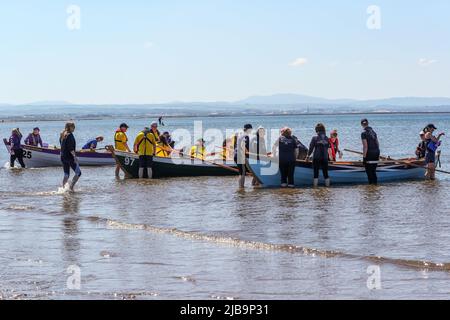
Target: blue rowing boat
(267, 173)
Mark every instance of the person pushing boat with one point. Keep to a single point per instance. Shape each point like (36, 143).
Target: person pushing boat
(371, 151)
(145, 147)
(92, 144)
(68, 155)
(121, 143)
(16, 151)
(34, 138)
(432, 143)
(319, 149)
(287, 153)
(241, 153)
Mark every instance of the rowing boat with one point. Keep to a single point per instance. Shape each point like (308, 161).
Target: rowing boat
(36, 157)
(174, 166)
(353, 172)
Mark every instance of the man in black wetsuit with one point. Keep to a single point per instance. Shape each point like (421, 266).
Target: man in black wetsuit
(371, 151)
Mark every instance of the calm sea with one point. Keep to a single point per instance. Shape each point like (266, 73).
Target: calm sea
(202, 238)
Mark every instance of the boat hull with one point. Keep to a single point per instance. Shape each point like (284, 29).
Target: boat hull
(35, 157)
(267, 172)
(172, 167)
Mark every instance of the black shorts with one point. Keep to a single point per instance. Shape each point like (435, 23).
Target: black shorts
(145, 161)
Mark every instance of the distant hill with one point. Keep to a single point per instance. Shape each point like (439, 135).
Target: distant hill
(298, 99)
(289, 98)
(48, 103)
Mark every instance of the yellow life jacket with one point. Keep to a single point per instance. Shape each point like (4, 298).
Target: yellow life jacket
(120, 139)
(198, 152)
(145, 142)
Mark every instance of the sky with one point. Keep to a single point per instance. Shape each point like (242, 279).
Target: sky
(221, 50)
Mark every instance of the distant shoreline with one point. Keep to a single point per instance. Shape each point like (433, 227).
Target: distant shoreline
(14, 120)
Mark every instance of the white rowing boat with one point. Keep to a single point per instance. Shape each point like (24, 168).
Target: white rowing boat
(36, 157)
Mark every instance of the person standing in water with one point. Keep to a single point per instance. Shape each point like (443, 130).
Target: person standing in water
(432, 144)
(34, 138)
(371, 151)
(121, 143)
(145, 147)
(241, 150)
(68, 155)
(319, 148)
(258, 147)
(288, 153)
(16, 148)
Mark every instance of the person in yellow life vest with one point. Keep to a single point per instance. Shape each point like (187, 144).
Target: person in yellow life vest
(121, 143)
(145, 147)
(164, 147)
(154, 130)
(199, 150)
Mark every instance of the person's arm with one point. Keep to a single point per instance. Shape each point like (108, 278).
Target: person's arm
(126, 146)
(27, 140)
(311, 147)
(40, 141)
(365, 147)
(136, 143)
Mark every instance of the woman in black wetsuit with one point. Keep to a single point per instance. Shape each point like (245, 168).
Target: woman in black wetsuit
(68, 155)
(319, 146)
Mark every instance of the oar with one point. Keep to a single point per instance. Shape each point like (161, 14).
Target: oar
(398, 161)
(210, 162)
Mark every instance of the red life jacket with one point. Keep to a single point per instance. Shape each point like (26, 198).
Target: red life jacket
(334, 147)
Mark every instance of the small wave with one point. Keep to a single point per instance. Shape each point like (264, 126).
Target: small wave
(19, 208)
(254, 245)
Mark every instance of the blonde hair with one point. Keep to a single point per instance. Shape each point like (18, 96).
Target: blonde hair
(69, 128)
(17, 131)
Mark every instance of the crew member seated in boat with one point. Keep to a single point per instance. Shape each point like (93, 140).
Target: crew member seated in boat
(371, 151)
(288, 153)
(241, 153)
(198, 151)
(334, 150)
(319, 149)
(34, 138)
(154, 131)
(433, 144)
(164, 146)
(16, 150)
(421, 149)
(92, 144)
(145, 146)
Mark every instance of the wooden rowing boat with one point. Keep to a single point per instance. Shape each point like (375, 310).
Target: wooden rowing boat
(350, 172)
(36, 157)
(174, 166)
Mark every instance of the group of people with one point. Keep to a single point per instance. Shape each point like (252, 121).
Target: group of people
(150, 142)
(15, 144)
(147, 144)
(322, 149)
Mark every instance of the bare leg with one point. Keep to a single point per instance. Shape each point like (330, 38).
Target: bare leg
(117, 171)
(65, 180)
(141, 173)
(149, 173)
(242, 179)
(74, 182)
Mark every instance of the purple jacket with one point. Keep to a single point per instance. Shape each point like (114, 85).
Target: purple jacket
(33, 140)
(14, 141)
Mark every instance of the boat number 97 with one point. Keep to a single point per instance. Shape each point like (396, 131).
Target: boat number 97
(129, 161)
(27, 154)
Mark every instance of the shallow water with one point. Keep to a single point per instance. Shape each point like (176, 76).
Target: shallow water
(202, 238)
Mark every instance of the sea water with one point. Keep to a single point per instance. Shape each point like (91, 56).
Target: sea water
(203, 238)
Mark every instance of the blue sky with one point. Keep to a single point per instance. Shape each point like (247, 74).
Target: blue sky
(209, 50)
